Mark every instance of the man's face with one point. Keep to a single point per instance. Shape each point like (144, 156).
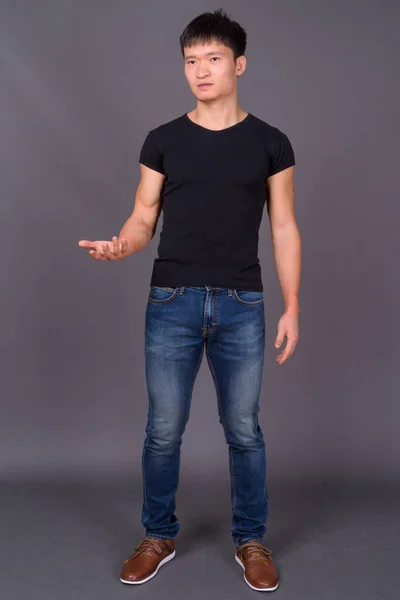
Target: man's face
(213, 64)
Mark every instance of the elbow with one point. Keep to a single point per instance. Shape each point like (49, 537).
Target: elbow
(284, 229)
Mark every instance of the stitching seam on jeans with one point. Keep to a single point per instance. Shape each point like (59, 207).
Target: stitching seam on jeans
(156, 301)
(256, 303)
(231, 469)
(195, 375)
(214, 325)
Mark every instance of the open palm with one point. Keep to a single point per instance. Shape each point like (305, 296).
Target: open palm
(116, 249)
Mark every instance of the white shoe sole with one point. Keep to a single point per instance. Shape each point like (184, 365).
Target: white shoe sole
(162, 562)
(270, 589)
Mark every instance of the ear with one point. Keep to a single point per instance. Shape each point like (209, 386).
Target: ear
(240, 65)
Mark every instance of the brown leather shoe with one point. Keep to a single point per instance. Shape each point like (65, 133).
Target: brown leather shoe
(148, 557)
(259, 571)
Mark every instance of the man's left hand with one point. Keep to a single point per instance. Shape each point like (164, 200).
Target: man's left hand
(288, 326)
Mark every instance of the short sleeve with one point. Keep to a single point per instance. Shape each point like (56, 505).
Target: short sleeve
(150, 154)
(281, 154)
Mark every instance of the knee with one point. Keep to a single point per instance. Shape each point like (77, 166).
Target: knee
(165, 436)
(246, 433)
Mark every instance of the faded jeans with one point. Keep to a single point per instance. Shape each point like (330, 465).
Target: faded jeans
(179, 323)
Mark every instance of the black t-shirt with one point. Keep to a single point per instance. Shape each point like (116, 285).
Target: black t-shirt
(213, 199)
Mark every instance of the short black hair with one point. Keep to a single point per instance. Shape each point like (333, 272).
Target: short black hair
(214, 26)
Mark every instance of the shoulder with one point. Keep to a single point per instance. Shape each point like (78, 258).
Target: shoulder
(278, 146)
(167, 129)
(271, 134)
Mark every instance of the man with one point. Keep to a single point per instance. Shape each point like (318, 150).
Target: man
(212, 167)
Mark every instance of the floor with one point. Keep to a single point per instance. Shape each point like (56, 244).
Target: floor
(66, 537)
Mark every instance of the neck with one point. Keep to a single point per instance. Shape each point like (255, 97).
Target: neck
(217, 117)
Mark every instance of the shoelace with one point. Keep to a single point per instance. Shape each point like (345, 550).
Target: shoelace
(146, 546)
(256, 550)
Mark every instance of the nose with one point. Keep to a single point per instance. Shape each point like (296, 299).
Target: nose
(201, 71)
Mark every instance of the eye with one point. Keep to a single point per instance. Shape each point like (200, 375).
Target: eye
(217, 57)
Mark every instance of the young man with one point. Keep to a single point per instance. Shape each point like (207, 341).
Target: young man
(212, 167)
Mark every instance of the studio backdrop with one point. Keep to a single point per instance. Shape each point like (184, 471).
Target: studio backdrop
(81, 85)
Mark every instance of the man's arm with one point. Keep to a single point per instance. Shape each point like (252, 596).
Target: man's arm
(287, 254)
(285, 235)
(140, 228)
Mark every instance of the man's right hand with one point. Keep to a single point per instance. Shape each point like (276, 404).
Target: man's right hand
(104, 250)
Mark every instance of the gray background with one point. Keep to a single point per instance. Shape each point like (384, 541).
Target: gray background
(81, 84)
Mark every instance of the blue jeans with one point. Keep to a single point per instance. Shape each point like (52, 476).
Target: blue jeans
(179, 323)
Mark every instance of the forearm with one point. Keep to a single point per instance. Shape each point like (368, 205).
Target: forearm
(137, 233)
(287, 255)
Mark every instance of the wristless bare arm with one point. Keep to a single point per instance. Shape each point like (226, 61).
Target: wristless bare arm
(285, 235)
(141, 226)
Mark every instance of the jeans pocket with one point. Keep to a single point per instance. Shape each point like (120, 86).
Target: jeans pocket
(161, 295)
(248, 297)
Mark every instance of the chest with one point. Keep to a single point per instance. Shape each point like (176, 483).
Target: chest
(217, 161)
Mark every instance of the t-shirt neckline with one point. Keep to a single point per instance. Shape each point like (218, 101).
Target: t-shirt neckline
(242, 122)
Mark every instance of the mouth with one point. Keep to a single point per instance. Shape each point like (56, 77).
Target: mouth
(204, 85)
